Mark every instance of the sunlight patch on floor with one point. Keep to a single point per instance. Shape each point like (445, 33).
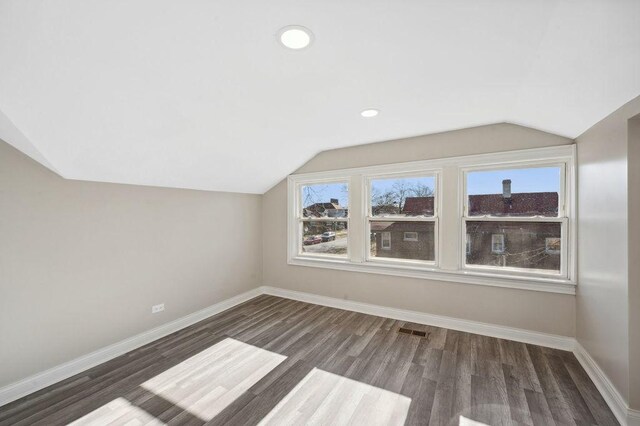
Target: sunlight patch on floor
(326, 398)
(118, 412)
(208, 382)
(468, 422)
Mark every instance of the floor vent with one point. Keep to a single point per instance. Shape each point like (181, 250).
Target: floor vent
(412, 332)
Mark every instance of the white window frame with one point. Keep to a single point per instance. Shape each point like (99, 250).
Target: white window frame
(450, 203)
(368, 179)
(494, 238)
(565, 217)
(412, 238)
(300, 219)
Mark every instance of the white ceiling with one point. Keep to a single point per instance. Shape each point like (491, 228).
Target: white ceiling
(199, 94)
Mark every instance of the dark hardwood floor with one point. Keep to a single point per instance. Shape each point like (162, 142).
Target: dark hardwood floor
(286, 362)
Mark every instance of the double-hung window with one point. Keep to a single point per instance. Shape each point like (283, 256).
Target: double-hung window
(501, 219)
(516, 210)
(401, 218)
(385, 240)
(497, 244)
(323, 219)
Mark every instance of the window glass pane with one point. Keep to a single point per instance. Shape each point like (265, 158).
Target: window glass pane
(513, 244)
(324, 238)
(325, 200)
(388, 240)
(410, 196)
(515, 192)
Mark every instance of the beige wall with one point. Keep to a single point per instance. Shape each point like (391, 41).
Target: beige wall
(634, 263)
(602, 300)
(82, 263)
(545, 312)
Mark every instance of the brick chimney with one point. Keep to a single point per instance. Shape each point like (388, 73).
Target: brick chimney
(506, 188)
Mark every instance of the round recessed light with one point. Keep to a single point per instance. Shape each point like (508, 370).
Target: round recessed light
(368, 113)
(295, 37)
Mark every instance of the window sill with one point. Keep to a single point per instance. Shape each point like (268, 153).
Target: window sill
(549, 285)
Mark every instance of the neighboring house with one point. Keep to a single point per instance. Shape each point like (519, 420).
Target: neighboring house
(320, 210)
(521, 245)
(330, 209)
(511, 244)
(404, 240)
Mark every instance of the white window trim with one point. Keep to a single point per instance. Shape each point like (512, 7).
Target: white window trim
(405, 238)
(299, 219)
(566, 209)
(400, 172)
(445, 268)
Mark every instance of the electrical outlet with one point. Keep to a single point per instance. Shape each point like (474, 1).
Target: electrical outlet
(157, 308)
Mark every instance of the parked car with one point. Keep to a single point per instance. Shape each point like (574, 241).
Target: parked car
(328, 236)
(313, 239)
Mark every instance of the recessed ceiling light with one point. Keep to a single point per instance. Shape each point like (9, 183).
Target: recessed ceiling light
(295, 37)
(368, 113)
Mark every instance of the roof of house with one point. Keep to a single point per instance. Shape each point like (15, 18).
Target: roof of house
(418, 206)
(317, 209)
(518, 204)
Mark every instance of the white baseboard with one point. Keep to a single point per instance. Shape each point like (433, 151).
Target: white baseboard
(492, 330)
(614, 399)
(53, 375)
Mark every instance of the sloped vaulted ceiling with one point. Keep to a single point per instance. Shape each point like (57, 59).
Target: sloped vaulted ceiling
(199, 94)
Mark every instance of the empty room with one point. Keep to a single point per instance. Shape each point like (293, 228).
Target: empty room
(417, 212)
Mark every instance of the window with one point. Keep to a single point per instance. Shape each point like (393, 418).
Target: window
(386, 240)
(508, 219)
(520, 206)
(323, 219)
(402, 209)
(410, 236)
(552, 245)
(497, 243)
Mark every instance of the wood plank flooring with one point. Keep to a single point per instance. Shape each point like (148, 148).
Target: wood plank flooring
(278, 361)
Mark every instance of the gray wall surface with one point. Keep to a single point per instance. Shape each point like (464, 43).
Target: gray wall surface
(634, 263)
(602, 299)
(82, 263)
(531, 310)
